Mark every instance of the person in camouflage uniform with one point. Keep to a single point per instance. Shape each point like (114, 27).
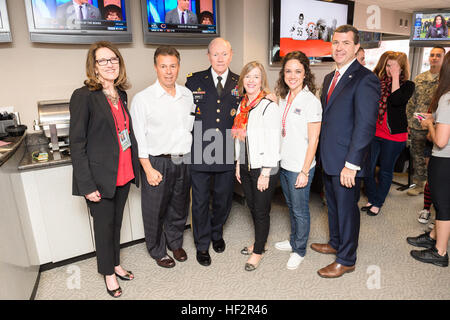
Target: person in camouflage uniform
(426, 84)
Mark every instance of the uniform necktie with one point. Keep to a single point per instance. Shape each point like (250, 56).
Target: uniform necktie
(182, 18)
(219, 86)
(333, 84)
(81, 13)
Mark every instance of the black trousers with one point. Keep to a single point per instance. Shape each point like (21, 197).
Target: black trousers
(165, 207)
(107, 215)
(208, 226)
(259, 204)
(439, 182)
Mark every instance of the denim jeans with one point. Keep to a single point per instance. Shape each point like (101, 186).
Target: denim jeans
(298, 203)
(388, 152)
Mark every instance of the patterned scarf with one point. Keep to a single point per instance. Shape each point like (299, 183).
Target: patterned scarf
(386, 88)
(239, 129)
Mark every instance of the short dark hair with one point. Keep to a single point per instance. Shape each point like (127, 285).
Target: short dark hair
(439, 47)
(349, 28)
(166, 51)
(360, 49)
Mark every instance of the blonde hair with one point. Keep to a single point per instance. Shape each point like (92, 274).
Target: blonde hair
(246, 70)
(92, 82)
(402, 60)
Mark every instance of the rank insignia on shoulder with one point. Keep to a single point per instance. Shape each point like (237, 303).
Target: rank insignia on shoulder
(189, 75)
(233, 112)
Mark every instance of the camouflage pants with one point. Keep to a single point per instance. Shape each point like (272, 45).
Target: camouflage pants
(418, 142)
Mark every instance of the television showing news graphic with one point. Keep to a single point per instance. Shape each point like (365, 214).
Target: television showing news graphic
(182, 16)
(431, 26)
(100, 15)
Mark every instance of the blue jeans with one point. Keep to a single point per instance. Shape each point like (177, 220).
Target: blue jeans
(388, 152)
(298, 203)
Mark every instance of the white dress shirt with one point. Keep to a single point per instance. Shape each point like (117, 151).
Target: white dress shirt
(162, 124)
(83, 9)
(224, 77)
(342, 70)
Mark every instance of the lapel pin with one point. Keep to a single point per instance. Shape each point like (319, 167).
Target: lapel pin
(350, 76)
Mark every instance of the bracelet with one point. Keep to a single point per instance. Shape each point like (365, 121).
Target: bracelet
(306, 174)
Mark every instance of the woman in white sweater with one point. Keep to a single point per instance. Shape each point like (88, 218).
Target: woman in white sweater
(301, 120)
(257, 132)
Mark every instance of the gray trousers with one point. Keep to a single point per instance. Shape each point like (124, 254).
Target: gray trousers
(165, 207)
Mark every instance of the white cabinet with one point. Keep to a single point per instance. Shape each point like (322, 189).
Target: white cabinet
(60, 221)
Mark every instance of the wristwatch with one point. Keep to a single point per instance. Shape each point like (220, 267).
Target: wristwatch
(306, 174)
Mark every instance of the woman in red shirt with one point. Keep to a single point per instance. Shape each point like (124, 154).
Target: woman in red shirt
(391, 130)
(104, 154)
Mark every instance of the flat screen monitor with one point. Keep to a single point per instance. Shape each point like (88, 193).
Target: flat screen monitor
(430, 28)
(307, 26)
(369, 40)
(78, 21)
(5, 32)
(180, 22)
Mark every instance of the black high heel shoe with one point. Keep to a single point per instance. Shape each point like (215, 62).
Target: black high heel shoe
(366, 208)
(126, 277)
(113, 293)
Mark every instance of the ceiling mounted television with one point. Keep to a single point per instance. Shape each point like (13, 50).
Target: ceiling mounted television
(180, 22)
(307, 26)
(430, 28)
(5, 32)
(78, 21)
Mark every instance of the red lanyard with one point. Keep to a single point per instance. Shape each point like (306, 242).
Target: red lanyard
(285, 113)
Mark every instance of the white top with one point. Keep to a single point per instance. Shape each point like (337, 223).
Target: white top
(304, 109)
(215, 75)
(263, 136)
(443, 116)
(162, 124)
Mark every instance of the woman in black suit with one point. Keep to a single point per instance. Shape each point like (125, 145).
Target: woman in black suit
(104, 154)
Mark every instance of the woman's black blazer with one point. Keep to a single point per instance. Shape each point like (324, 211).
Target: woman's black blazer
(396, 108)
(94, 145)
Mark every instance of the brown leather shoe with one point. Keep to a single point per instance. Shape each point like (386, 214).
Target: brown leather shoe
(323, 248)
(165, 262)
(335, 270)
(179, 254)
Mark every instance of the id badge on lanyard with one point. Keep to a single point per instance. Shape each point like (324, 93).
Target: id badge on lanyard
(125, 140)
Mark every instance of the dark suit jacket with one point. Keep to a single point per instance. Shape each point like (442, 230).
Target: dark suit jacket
(349, 120)
(94, 145)
(213, 114)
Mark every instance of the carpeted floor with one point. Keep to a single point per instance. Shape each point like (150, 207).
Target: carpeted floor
(384, 268)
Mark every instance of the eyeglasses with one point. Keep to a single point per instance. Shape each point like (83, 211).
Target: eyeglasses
(104, 62)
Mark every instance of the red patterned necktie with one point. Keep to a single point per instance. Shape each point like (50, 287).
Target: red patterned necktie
(333, 84)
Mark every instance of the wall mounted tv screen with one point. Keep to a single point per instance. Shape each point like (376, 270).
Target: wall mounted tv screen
(307, 26)
(5, 32)
(430, 28)
(78, 21)
(185, 22)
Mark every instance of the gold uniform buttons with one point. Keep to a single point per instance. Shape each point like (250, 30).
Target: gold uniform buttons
(217, 120)
(218, 110)
(217, 129)
(218, 101)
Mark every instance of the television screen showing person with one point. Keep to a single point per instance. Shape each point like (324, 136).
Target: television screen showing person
(68, 13)
(438, 29)
(113, 13)
(181, 14)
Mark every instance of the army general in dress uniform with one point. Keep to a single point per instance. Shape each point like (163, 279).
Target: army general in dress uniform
(216, 99)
